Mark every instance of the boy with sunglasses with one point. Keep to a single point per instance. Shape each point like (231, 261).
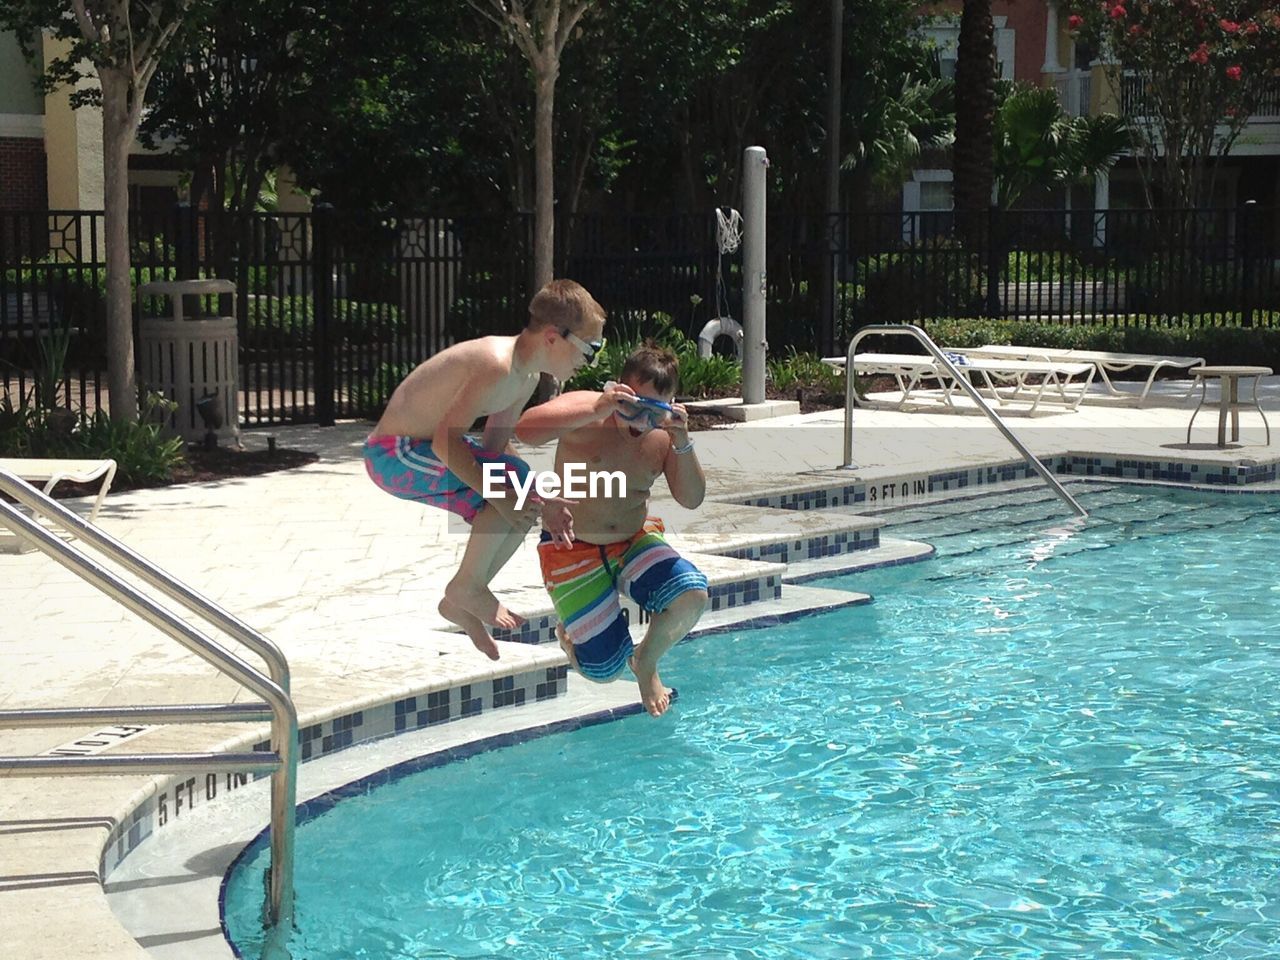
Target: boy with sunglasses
(594, 548)
(419, 450)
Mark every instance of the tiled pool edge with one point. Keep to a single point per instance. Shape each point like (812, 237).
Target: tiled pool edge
(156, 807)
(825, 491)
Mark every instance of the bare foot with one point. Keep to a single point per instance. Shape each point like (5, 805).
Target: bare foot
(471, 624)
(483, 605)
(653, 694)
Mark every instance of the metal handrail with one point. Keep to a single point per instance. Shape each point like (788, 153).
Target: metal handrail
(910, 329)
(281, 760)
(71, 521)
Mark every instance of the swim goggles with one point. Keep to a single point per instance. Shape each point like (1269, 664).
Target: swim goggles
(656, 411)
(589, 350)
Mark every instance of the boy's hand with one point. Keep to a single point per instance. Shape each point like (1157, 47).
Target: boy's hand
(521, 519)
(613, 398)
(557, 520)
(677, 425)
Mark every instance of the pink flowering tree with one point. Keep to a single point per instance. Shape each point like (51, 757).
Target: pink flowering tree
(1190, 73)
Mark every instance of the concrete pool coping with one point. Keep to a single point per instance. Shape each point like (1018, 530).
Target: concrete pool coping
(361, 614)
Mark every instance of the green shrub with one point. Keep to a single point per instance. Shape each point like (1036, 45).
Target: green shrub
(17, 424)
(142, 451)
(699, 376)
(702, 376)
(804, 370)
(277, 320)
(372, 394)
(361, 321)
(262, 279)
(483, 307)
(290, 320)
(1178, 285)
(608, 367)
(940, 280)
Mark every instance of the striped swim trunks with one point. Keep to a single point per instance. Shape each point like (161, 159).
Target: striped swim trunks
(407, 467)
(584, 581)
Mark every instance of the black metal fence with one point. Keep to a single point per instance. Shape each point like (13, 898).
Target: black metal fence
(334, 308)
(1130, 267)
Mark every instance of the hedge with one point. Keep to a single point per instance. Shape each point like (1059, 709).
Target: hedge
(273, 321)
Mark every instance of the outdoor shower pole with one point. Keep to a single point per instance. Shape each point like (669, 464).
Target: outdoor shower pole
(755, 162)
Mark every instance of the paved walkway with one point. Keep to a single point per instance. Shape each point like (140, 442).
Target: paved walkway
(346, 580)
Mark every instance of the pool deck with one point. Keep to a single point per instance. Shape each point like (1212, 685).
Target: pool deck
(345, 579)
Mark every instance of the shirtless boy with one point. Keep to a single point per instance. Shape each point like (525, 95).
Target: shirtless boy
(419, 451)
(594, 548)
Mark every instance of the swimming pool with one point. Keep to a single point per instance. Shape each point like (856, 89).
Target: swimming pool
(1047, 741)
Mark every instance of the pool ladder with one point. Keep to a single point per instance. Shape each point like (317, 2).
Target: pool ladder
(275, 705)
(910, 329)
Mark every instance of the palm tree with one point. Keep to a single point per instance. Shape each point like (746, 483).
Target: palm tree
(896, 129)
(972, 173)
(1036, 144)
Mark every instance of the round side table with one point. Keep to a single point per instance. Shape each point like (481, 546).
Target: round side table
(1230, 400)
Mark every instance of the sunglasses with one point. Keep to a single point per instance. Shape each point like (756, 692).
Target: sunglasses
(655, 410)
(589, 350)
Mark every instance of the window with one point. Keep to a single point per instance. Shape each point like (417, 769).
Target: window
(935, 195)
(945, 34)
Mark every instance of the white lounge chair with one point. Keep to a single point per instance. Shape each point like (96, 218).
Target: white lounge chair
(1105, 361)
(1007, 380)
(50, 473)
(53, 472)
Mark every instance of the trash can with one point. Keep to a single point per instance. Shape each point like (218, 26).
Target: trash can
(192, 360)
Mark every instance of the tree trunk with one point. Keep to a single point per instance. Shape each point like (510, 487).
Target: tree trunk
(975, 108)
(544, 183)
(117, 135)
(833, 336)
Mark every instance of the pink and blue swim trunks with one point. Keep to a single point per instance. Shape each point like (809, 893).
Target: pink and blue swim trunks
(407, 467)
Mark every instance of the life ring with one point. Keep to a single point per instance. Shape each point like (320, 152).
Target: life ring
(720, 327)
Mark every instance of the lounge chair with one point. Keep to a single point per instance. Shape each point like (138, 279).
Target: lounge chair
(50, 473)
(53, 472)
(1007, 380)
(1105, 361)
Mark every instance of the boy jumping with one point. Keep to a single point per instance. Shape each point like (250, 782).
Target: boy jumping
(419, 450)
(604, 545)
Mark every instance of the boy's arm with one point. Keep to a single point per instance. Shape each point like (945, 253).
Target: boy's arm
(553, 419)
(453, 450)
(682, 470)
(500, 427)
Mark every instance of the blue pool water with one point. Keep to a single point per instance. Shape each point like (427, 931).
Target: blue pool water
(1042, 743)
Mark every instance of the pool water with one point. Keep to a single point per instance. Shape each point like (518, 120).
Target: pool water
(1045, 742)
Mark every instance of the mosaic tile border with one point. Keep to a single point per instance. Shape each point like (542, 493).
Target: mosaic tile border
(329, 736)
(811, 547)
(917, 488)
(731, 593)
(1169, 471)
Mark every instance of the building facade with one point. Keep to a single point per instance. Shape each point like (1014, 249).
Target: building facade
(1034, 46)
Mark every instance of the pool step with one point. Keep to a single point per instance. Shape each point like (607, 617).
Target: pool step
(891, 552)
(795, 601)
(768, 534)
(731, 582)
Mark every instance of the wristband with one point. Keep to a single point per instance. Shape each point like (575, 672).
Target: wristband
(685, 449)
